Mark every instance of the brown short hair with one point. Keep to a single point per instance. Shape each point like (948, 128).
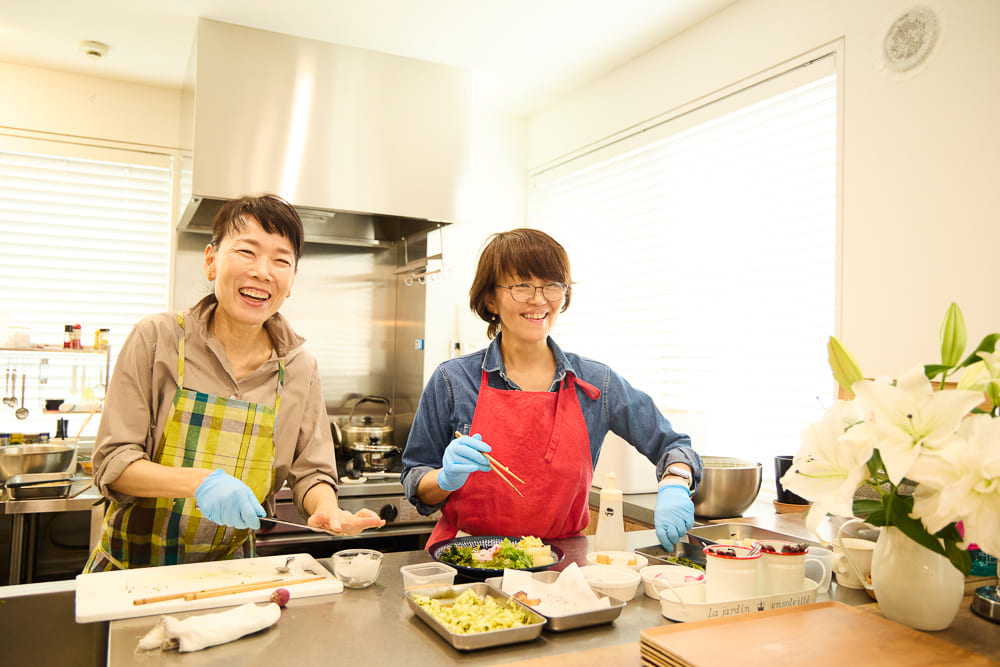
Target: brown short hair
(519, 253)
(275, 215)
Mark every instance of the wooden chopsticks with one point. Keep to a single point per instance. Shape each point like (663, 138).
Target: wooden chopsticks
(497, 467)
(223, 590)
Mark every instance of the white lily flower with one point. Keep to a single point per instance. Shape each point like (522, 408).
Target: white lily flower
(910, 417)
(962, 483)
(830, 466)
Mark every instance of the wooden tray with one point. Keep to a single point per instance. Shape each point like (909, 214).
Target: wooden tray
(823, 634)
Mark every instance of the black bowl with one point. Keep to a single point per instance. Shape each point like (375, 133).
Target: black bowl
(486, 541)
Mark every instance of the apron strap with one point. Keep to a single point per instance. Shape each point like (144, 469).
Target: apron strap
(180, 352)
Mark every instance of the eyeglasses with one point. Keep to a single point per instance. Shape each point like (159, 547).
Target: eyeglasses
(523, 292)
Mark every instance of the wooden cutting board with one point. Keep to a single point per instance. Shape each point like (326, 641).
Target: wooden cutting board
(104, 596)
(823, 634)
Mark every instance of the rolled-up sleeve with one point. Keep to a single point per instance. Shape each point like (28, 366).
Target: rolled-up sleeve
(128, 412)
(633, 416)
(429, 437)
(314, 461)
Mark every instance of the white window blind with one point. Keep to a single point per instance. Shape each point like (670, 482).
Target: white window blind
(704, 256)
(85, 241)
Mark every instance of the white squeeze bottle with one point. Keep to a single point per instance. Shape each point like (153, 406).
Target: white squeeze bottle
(610, 534)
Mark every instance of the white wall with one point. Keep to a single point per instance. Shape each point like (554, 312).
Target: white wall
(71, 105)
(920, 169)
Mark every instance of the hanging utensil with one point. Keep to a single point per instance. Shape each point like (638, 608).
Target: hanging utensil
(11, 401)
(22, 412)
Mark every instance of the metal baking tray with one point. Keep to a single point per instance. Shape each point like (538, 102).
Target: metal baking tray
(569, 621)
(657, 555)
(29, 486)
(476, 640)
(713, 534)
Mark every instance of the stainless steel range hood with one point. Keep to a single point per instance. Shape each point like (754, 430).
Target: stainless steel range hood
(370, 147)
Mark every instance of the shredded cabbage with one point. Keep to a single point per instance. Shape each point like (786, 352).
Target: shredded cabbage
(471, 613)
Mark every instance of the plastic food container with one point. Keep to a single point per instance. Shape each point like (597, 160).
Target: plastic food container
(357, 568)
(620, 583)
(427, 575)
(627, 559)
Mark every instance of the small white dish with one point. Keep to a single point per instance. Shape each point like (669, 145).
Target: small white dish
(655, 578)
(628, 559)
(620, 583)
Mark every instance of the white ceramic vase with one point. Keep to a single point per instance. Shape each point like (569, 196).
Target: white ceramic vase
(915, 586)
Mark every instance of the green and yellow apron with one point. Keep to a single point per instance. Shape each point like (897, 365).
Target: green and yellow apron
(202, 431)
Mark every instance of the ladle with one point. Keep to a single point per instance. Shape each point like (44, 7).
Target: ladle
(22, 412)
(11, 401)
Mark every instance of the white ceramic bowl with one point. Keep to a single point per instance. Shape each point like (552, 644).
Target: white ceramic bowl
(628, 559)
(357, 568)
(655, 578)
(621, 583)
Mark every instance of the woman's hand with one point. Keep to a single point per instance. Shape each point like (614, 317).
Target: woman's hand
(341, 522)
(227, 501)
(463, 456)
(674, 514)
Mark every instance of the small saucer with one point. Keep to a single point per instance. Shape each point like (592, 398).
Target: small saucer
(789, 508)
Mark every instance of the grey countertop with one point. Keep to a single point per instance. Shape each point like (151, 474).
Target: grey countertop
(359, 626)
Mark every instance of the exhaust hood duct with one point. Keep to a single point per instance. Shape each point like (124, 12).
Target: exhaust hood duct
(369, 147)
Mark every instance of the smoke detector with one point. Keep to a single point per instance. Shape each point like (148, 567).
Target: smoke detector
(910, 39)
(95, 50)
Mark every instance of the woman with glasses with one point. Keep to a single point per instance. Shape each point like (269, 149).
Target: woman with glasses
(540, 411)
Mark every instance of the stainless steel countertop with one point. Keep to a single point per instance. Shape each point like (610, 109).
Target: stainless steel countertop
(357, 626)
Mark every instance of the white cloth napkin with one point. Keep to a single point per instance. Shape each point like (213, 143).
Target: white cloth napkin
(197, 632)
(569, 594)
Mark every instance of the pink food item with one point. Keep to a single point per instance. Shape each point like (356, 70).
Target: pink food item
(280, 597)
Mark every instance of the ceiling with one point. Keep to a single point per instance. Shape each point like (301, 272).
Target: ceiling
(520, 54)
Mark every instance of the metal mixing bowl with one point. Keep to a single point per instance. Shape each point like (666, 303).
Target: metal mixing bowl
(728, 487)
(28, 459)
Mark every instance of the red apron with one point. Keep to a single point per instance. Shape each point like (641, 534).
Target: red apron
(542, 437)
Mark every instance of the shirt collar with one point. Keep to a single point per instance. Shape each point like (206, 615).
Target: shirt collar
(282, 335)
(493, 361)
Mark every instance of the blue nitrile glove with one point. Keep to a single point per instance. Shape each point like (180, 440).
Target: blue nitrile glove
(463, 456)
(227, 501)
(674, 514)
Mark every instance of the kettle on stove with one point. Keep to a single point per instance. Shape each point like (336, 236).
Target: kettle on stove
(367, 442)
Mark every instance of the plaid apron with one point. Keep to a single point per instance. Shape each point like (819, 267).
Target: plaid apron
(202, 431)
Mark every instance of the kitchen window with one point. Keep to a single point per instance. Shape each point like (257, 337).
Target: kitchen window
(704, 252)
(86, 239)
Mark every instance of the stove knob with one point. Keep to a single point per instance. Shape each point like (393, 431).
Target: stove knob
(388, 513)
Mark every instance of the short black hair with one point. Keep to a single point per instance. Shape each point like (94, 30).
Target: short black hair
(275, 215)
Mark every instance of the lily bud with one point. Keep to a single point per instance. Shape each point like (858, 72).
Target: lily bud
(952, 336)
(846, 370)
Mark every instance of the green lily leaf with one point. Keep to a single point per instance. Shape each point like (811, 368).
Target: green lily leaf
(867, 507)
(988, 344)
(952, 335)
(931, 371)
(899, 516)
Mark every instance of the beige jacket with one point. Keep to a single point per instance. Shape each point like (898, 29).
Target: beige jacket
(141, 393)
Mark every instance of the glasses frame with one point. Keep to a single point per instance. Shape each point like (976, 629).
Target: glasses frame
(510, 288)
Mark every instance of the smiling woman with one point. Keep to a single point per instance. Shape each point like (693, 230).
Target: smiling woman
(211, 410)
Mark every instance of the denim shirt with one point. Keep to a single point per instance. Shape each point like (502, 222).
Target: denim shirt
(448, 403)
